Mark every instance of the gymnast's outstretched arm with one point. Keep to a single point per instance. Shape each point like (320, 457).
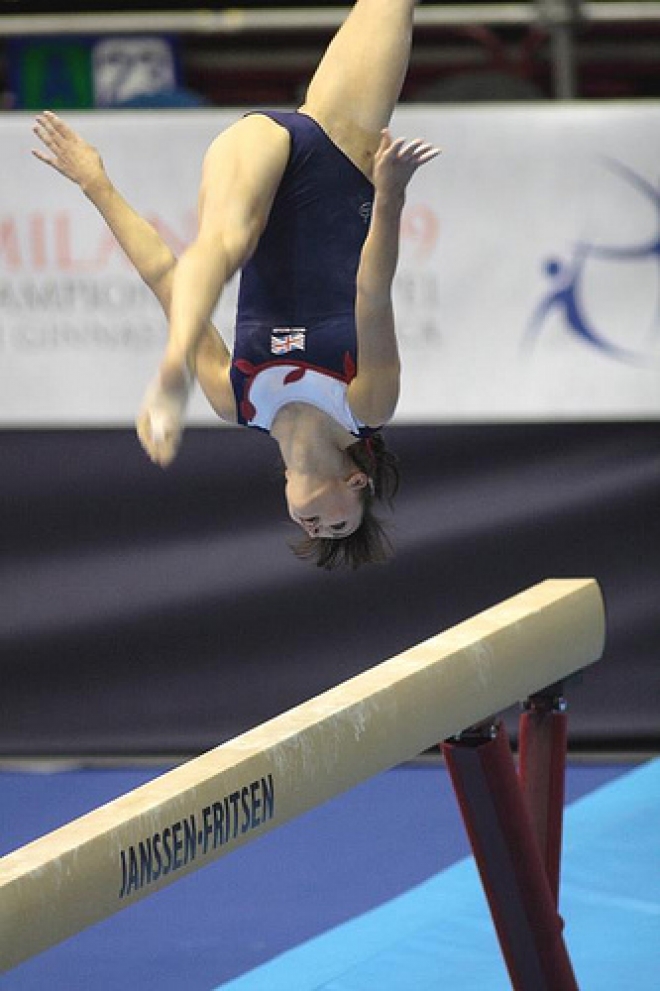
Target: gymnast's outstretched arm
(374, 392)
(74, 158)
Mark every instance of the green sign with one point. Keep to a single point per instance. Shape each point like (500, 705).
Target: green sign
(52, 74)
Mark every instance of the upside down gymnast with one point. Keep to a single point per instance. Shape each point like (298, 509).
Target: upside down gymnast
(307, 206)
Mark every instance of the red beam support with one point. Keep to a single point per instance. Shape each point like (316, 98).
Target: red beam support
(542, 744)
(509, 860)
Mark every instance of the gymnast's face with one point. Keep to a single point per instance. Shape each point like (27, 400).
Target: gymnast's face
(331, 508)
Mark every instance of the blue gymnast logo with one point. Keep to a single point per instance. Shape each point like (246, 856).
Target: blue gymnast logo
(565, 296)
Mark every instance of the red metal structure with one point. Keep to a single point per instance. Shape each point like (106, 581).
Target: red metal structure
(514, 823)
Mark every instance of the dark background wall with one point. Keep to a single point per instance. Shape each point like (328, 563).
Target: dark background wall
(157, 612)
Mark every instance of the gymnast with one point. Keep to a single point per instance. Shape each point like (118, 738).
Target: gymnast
(307, 205)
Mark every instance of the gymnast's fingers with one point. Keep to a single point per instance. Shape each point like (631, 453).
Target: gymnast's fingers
(412, 146)
(419, 148)
(47, 160)
(46, 135)
(57, 124)
(397, 146)
(42, 157)
(426, 154)
(63, 134)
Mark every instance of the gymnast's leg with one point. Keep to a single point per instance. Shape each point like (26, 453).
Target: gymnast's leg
(242, 171)
(358, 82)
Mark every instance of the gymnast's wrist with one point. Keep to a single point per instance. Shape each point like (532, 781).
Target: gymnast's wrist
(97, 186)
(390, 201)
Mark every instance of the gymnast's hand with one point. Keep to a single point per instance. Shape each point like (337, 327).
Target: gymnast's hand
(396, 162)
(69, 154)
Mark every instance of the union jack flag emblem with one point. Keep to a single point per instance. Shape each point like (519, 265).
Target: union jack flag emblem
(284, 340)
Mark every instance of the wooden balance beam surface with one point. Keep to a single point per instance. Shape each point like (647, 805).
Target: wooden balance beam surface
(137, 844)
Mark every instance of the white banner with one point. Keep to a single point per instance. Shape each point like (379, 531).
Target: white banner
(528, 287)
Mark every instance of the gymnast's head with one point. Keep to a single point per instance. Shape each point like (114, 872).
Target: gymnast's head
(338, 515)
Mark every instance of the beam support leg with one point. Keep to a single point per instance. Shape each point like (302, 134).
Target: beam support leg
(507, 854)
(542, 736)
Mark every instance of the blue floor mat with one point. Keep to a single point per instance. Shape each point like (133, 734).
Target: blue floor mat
(361, 850)
(439, 934)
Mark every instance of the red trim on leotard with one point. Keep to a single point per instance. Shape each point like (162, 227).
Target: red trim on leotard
(247, 408)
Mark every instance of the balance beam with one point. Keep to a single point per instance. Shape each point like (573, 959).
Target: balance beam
(106, 860)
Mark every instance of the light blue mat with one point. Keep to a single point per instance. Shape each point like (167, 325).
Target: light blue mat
(441, 931)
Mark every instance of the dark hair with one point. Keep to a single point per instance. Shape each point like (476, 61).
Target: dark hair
(369, 544)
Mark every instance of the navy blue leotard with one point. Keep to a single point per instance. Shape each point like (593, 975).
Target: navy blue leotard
(296, 306)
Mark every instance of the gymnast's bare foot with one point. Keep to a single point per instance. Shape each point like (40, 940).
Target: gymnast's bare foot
(161, 420)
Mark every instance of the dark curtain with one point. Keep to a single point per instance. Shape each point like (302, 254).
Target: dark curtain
(161, 612)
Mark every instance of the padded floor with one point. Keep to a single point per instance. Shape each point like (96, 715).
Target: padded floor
(439, 934)
(371, 889)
